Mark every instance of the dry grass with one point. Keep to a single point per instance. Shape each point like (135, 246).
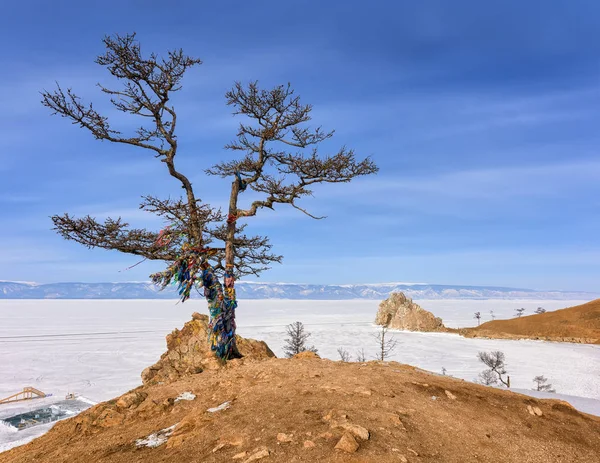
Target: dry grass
(575, 324)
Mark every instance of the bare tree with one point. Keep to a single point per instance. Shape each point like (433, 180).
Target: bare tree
(344, 354)
(492, 315)
(444, 371)
(296, 342)
(540, 310)
(495, 361)
(541, 384)
(519, 312)
(361, 356)
(273, 125)
(487, 378)
(386, 345)
(478, 317)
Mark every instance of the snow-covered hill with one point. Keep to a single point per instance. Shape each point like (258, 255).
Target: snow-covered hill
(253, 290)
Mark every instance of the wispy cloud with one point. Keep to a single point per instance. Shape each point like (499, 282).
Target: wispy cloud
(443, 113)
(491, 184)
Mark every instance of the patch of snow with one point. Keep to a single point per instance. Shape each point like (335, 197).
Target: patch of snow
(156, 439)
(185, 396)
(223, 406)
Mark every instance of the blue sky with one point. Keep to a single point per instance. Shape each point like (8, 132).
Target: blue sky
(483, 119)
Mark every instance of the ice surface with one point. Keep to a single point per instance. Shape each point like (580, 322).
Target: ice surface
(12, 437)
(98, 348)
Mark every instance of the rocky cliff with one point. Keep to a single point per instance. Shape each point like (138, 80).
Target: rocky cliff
(188, 352)
(400, 312)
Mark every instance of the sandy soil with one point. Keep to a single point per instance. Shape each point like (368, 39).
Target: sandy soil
(288, 410)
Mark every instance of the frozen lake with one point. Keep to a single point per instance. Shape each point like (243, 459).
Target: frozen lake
(98, 348)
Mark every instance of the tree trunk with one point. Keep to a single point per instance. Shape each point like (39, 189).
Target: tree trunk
(221, 299)
(232, 217)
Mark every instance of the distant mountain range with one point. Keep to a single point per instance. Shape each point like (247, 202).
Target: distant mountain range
(253, 290)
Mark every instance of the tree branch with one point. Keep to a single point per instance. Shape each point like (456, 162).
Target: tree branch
(148, 84)
(275, 123)
(114, 234)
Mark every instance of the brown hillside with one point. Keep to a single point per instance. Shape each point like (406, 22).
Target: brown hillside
(292, 410)
(574, 324)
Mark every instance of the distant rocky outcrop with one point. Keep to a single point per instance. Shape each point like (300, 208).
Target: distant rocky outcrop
(400, 312)
(188, 352)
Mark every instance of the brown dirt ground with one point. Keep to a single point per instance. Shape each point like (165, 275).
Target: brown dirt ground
(573, 324)
(312, 401)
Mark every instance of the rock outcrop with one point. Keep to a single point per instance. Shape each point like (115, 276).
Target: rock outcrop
(400, 312)
(188, 352)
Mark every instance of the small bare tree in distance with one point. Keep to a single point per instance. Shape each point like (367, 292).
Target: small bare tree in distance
(487, 378)
(296, 342)
(386, 345)
(540, 310)
(478, 317)
(519, 312)
(361, 356)
(492, 315)
(541, 384)
(344, 354)
(495, 362)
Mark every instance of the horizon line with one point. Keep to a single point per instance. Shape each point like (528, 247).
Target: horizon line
(31, 283)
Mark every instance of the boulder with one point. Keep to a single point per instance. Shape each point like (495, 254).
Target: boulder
(347, 443)
(400, 312)
(357, 431)
(188, 352)
(131, 399)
